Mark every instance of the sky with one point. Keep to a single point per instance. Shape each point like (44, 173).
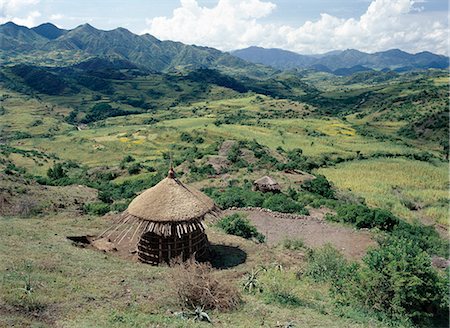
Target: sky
(303, 26)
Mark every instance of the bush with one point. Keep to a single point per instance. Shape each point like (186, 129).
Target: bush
(424, 237)
(364, 217)
(186, 137)
(203, 170)
(320, 185)
(325, 264)
(397, 280)
(237, 225)
(282, 203)
(128, 159)
(236, 197)
(96, 208)
(56, 172)
(293, 244)
(197, 287)
(119, 207)
(277, 293)
(134, 168)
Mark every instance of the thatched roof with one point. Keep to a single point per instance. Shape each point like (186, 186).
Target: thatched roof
(171, 201)
(266, 181)
(266, 184)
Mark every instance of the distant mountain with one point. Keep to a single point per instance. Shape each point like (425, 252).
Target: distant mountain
(18, 38)
(278, 58)
(49, 31)
(47, 44)
(85, 41)
(343, 62)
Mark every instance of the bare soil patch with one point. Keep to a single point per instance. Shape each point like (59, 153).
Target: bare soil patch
(313, 230)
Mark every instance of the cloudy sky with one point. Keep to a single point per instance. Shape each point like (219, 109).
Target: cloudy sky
(304, 26)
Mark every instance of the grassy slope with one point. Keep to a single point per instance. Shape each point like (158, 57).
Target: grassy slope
(83, 288)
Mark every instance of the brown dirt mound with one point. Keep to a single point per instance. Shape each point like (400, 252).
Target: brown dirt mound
(226, 147)
(219, 163)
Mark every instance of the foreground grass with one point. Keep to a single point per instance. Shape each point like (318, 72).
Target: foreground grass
(76, 287)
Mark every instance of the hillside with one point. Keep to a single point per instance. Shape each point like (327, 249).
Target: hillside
(354, 235)
(344, 62)
(50, 45)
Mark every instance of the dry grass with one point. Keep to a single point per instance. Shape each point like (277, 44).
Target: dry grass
(196, 286)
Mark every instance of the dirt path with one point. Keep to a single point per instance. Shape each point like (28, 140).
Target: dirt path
(313, 230)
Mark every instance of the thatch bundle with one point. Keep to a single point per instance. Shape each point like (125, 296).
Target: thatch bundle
(164, 222)
(266, 184)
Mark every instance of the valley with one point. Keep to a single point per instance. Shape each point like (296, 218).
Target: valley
(361, 157)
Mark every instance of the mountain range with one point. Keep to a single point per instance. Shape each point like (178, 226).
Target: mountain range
(47, 44)
(344, 62)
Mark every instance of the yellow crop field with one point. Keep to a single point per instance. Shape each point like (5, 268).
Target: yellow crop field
(392, 183)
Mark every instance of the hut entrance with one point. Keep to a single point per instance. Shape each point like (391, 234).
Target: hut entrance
(154, 249)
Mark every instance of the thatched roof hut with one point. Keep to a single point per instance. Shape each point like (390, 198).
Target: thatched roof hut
(266, 184)
(164, 222)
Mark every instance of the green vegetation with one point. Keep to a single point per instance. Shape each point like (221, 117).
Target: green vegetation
(320, 185)
(363, 217)
(237, 225)
(374, 141)
(398, 281)
(245, 197)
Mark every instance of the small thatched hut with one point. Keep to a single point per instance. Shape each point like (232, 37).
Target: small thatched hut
(266, 184)
(164, 222)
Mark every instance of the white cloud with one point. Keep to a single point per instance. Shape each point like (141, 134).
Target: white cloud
(234, 24)
(12, 6)
(18, 12)
(57, 16)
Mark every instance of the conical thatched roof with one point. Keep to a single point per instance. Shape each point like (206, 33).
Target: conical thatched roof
(171, 201)
(266, 184)
(266, 181)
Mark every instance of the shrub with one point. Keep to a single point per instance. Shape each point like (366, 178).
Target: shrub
(364, 217)
(27, 206)
(236, 197)
(236, 225)
(186, 137)
(128, 159)
(96, 208)
(197, 287)
(280, 294)
(396, 280)
(320, 185)
(203, 170)
(325, 264)
(282, 203)
(119, 207)
(293, 244)
(56, 172)
(134, 168)
(424, 237)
